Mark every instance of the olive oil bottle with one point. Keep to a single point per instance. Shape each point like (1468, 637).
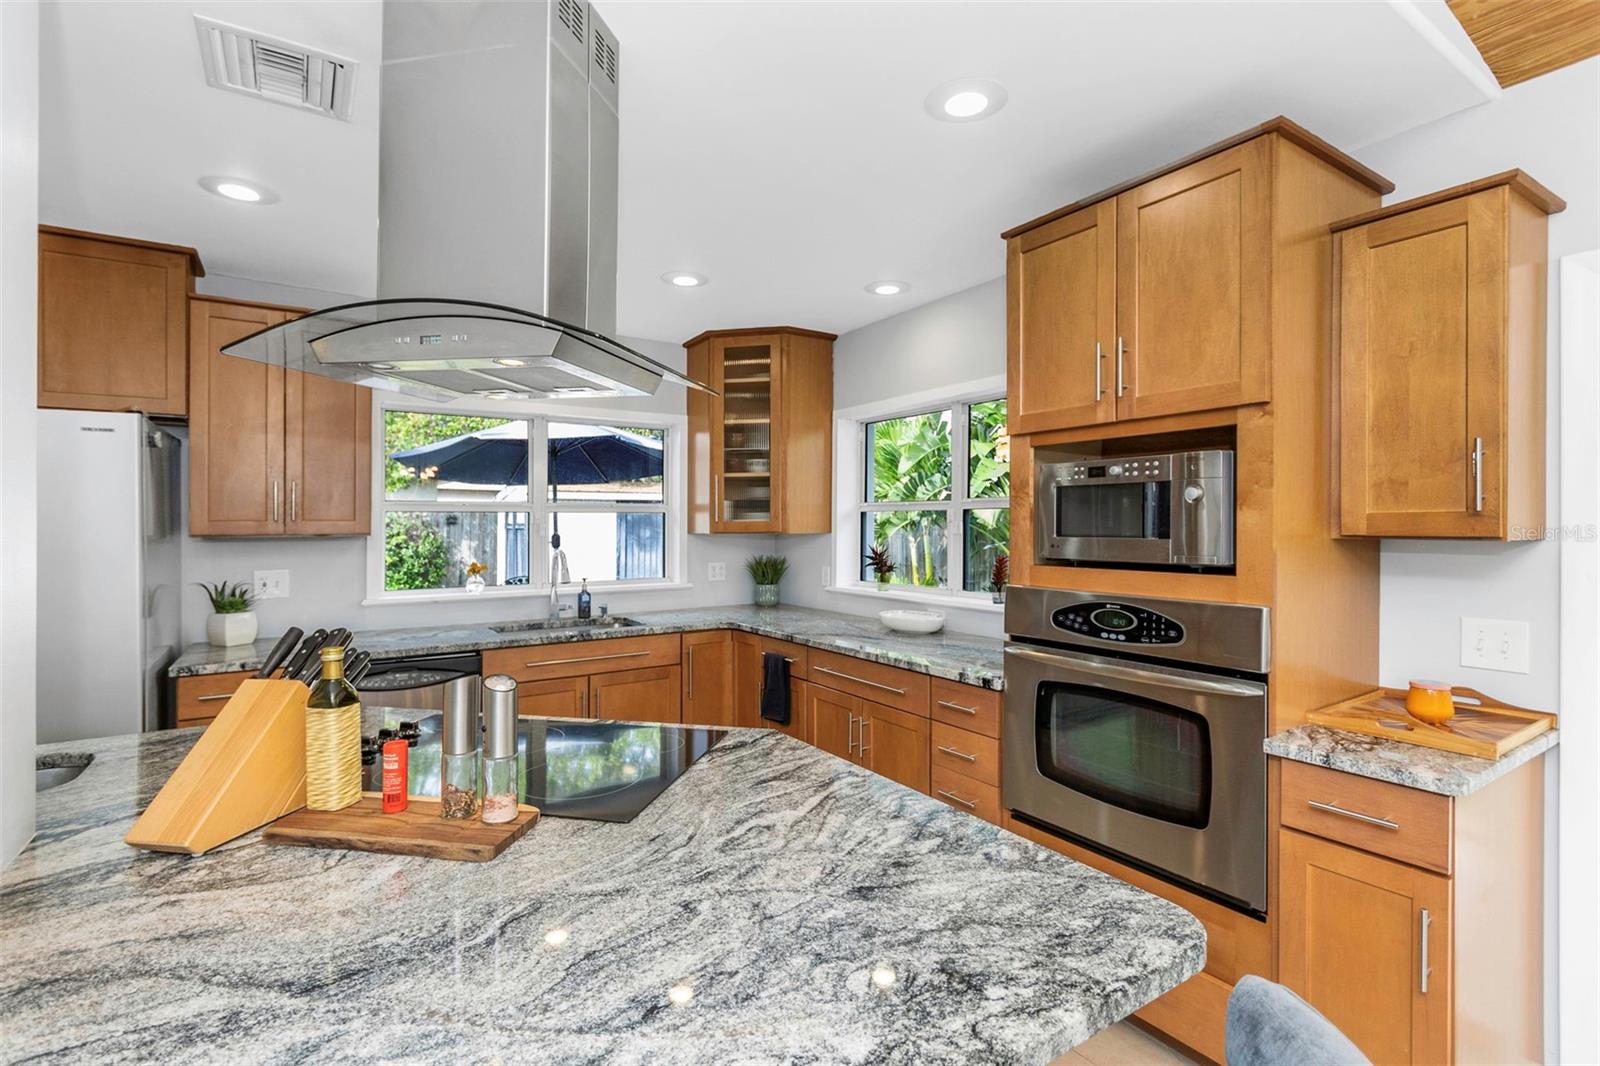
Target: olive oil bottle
(333, 738)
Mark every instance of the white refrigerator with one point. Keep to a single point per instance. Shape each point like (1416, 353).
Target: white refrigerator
(109, 582)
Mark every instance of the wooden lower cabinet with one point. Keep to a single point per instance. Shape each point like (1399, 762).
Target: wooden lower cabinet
(562, 697)
(1367, 941)
(202, 696)
(882, 739)
(708, 678)
(749, 679)
(833, 720)
(650, 695)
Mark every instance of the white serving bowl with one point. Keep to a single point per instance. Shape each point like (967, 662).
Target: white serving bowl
(913, 621)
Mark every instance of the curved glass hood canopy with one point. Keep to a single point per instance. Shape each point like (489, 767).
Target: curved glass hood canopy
(444, 349)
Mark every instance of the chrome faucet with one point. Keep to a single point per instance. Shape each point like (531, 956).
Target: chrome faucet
(558, 577)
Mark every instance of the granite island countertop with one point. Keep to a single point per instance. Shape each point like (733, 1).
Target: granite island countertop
(1447, 773)
(972, 660)
(768, 886)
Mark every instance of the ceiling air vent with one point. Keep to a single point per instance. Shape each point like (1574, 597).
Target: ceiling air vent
(244, 61)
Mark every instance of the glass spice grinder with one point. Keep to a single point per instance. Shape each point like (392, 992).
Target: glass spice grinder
(458, 754)
(501, 789)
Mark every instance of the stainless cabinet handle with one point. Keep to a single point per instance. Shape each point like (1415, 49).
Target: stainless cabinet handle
(690, 652)
(958, 753)
(294, 501)
(1477, 474)
(1423, 969)
(716, 498)
(957, 707)
(850, 734)
(968, 804)
(1099, 389)
(861, 745)
(276, 488)
(859, 680)
(215, 696)
(1120, 350)
(1333, 808)
(589, 659)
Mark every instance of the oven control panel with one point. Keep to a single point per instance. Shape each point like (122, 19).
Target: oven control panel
(1122, 623)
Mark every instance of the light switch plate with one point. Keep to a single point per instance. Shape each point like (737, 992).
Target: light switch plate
(717, 572)
(271, 584)
(1494, 644)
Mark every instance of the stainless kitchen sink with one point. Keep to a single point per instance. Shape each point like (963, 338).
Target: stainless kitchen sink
(544, 625)
(49, 771)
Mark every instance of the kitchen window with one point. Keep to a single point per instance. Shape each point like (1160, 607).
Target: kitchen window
(459, 492)
(935, 492)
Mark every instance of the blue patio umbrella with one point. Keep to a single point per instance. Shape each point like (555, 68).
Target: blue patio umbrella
(578, 455)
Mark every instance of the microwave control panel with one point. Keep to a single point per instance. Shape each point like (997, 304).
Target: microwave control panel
(1119, 623)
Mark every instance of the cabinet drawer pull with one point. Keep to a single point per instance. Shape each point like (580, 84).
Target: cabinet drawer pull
(1099, 389)
(275, 491)
(1120, 349)
(860, 680)
(958, 753)
(968, 804)
(690, 652)
(861, 745)
(294, 502)
(214, 696)
(850, 734)
(1331, 808)
(589, 659)
(957, 707)
(1425, 920)
(1477, 474)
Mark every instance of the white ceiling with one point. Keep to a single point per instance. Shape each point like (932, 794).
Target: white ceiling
(779, 148)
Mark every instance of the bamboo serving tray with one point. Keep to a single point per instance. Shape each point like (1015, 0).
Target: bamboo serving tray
(1482, 727)
(417, 830)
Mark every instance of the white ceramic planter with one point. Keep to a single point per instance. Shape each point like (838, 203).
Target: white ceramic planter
(227, 630)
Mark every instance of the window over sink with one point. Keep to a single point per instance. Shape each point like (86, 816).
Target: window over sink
(458, 489)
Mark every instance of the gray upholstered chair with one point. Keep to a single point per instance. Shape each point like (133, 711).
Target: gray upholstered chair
(1268, 1025)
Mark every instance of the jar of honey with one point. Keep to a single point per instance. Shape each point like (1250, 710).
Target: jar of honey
(1430, 701)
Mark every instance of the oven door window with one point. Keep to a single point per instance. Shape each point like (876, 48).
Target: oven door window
(1139, 509)
(1141, 755)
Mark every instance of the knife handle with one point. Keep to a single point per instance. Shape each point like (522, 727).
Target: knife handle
(279, 652)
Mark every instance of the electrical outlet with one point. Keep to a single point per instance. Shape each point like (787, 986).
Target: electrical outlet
(1492, 644)
(717, 572)
(271, 584)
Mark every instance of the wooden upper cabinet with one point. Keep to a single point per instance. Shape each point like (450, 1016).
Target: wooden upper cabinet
(1193, 255)
(236, 441)
(760, 444)
(271, 452)
(1062, 287)
(1441, 337)
(114, 322)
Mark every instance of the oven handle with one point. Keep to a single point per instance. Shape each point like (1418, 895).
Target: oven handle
(1218, 686)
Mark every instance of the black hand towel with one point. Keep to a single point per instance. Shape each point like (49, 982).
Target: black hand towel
(775, 687)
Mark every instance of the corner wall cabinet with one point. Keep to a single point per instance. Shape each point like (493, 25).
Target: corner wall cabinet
(1441, 350)
(761, 449)
(272, 452)
(114, 322)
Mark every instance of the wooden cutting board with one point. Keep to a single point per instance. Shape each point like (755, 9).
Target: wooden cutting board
(417, 830)
(1482, 727)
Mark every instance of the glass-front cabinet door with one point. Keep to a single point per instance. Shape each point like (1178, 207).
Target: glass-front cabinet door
(745, 422)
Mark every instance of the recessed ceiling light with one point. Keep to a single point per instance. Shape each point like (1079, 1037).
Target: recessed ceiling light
(684, 279)
(887, 288)
(966, 99)
(511, 362)
(245, 192)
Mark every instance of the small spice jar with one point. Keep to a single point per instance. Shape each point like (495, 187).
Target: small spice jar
(458, 753)
(501, 788)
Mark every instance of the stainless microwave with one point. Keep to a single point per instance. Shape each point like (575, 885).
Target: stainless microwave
(1141, 510)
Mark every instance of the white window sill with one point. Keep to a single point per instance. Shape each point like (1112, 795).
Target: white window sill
(569, 593)
(899, 593)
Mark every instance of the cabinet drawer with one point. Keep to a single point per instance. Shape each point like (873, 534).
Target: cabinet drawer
(202, 697)
(1390, 820)
(966, 706)
(965, 794)
(541, 662)
(871, 681)
(969, 754)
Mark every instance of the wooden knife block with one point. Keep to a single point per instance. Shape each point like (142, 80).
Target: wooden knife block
(247, 769)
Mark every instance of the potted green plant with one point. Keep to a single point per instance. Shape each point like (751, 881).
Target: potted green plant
(767, 571)
(999, 577)
(232, 621)
(880, 564)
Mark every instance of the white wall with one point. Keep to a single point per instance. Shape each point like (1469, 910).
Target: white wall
(1547, 127)
(19, 220)
(327, 578)
(951, 341)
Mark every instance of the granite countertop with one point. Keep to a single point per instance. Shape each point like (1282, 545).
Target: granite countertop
(1412, 765)
(804, 910)
(955, 656)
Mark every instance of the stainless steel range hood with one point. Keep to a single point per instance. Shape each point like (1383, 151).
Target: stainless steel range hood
(497, 239)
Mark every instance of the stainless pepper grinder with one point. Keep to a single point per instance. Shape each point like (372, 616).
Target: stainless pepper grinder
(501, 787)
(458, 756)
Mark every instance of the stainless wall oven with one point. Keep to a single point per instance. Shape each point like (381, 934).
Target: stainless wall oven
(1175, 509)
(1135, 727)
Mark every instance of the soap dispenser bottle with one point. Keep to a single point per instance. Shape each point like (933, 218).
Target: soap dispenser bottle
(585, 600)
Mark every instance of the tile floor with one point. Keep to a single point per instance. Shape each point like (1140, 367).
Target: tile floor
(1124, 1044)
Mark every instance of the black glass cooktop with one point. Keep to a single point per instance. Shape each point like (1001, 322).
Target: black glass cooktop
(602, 771)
